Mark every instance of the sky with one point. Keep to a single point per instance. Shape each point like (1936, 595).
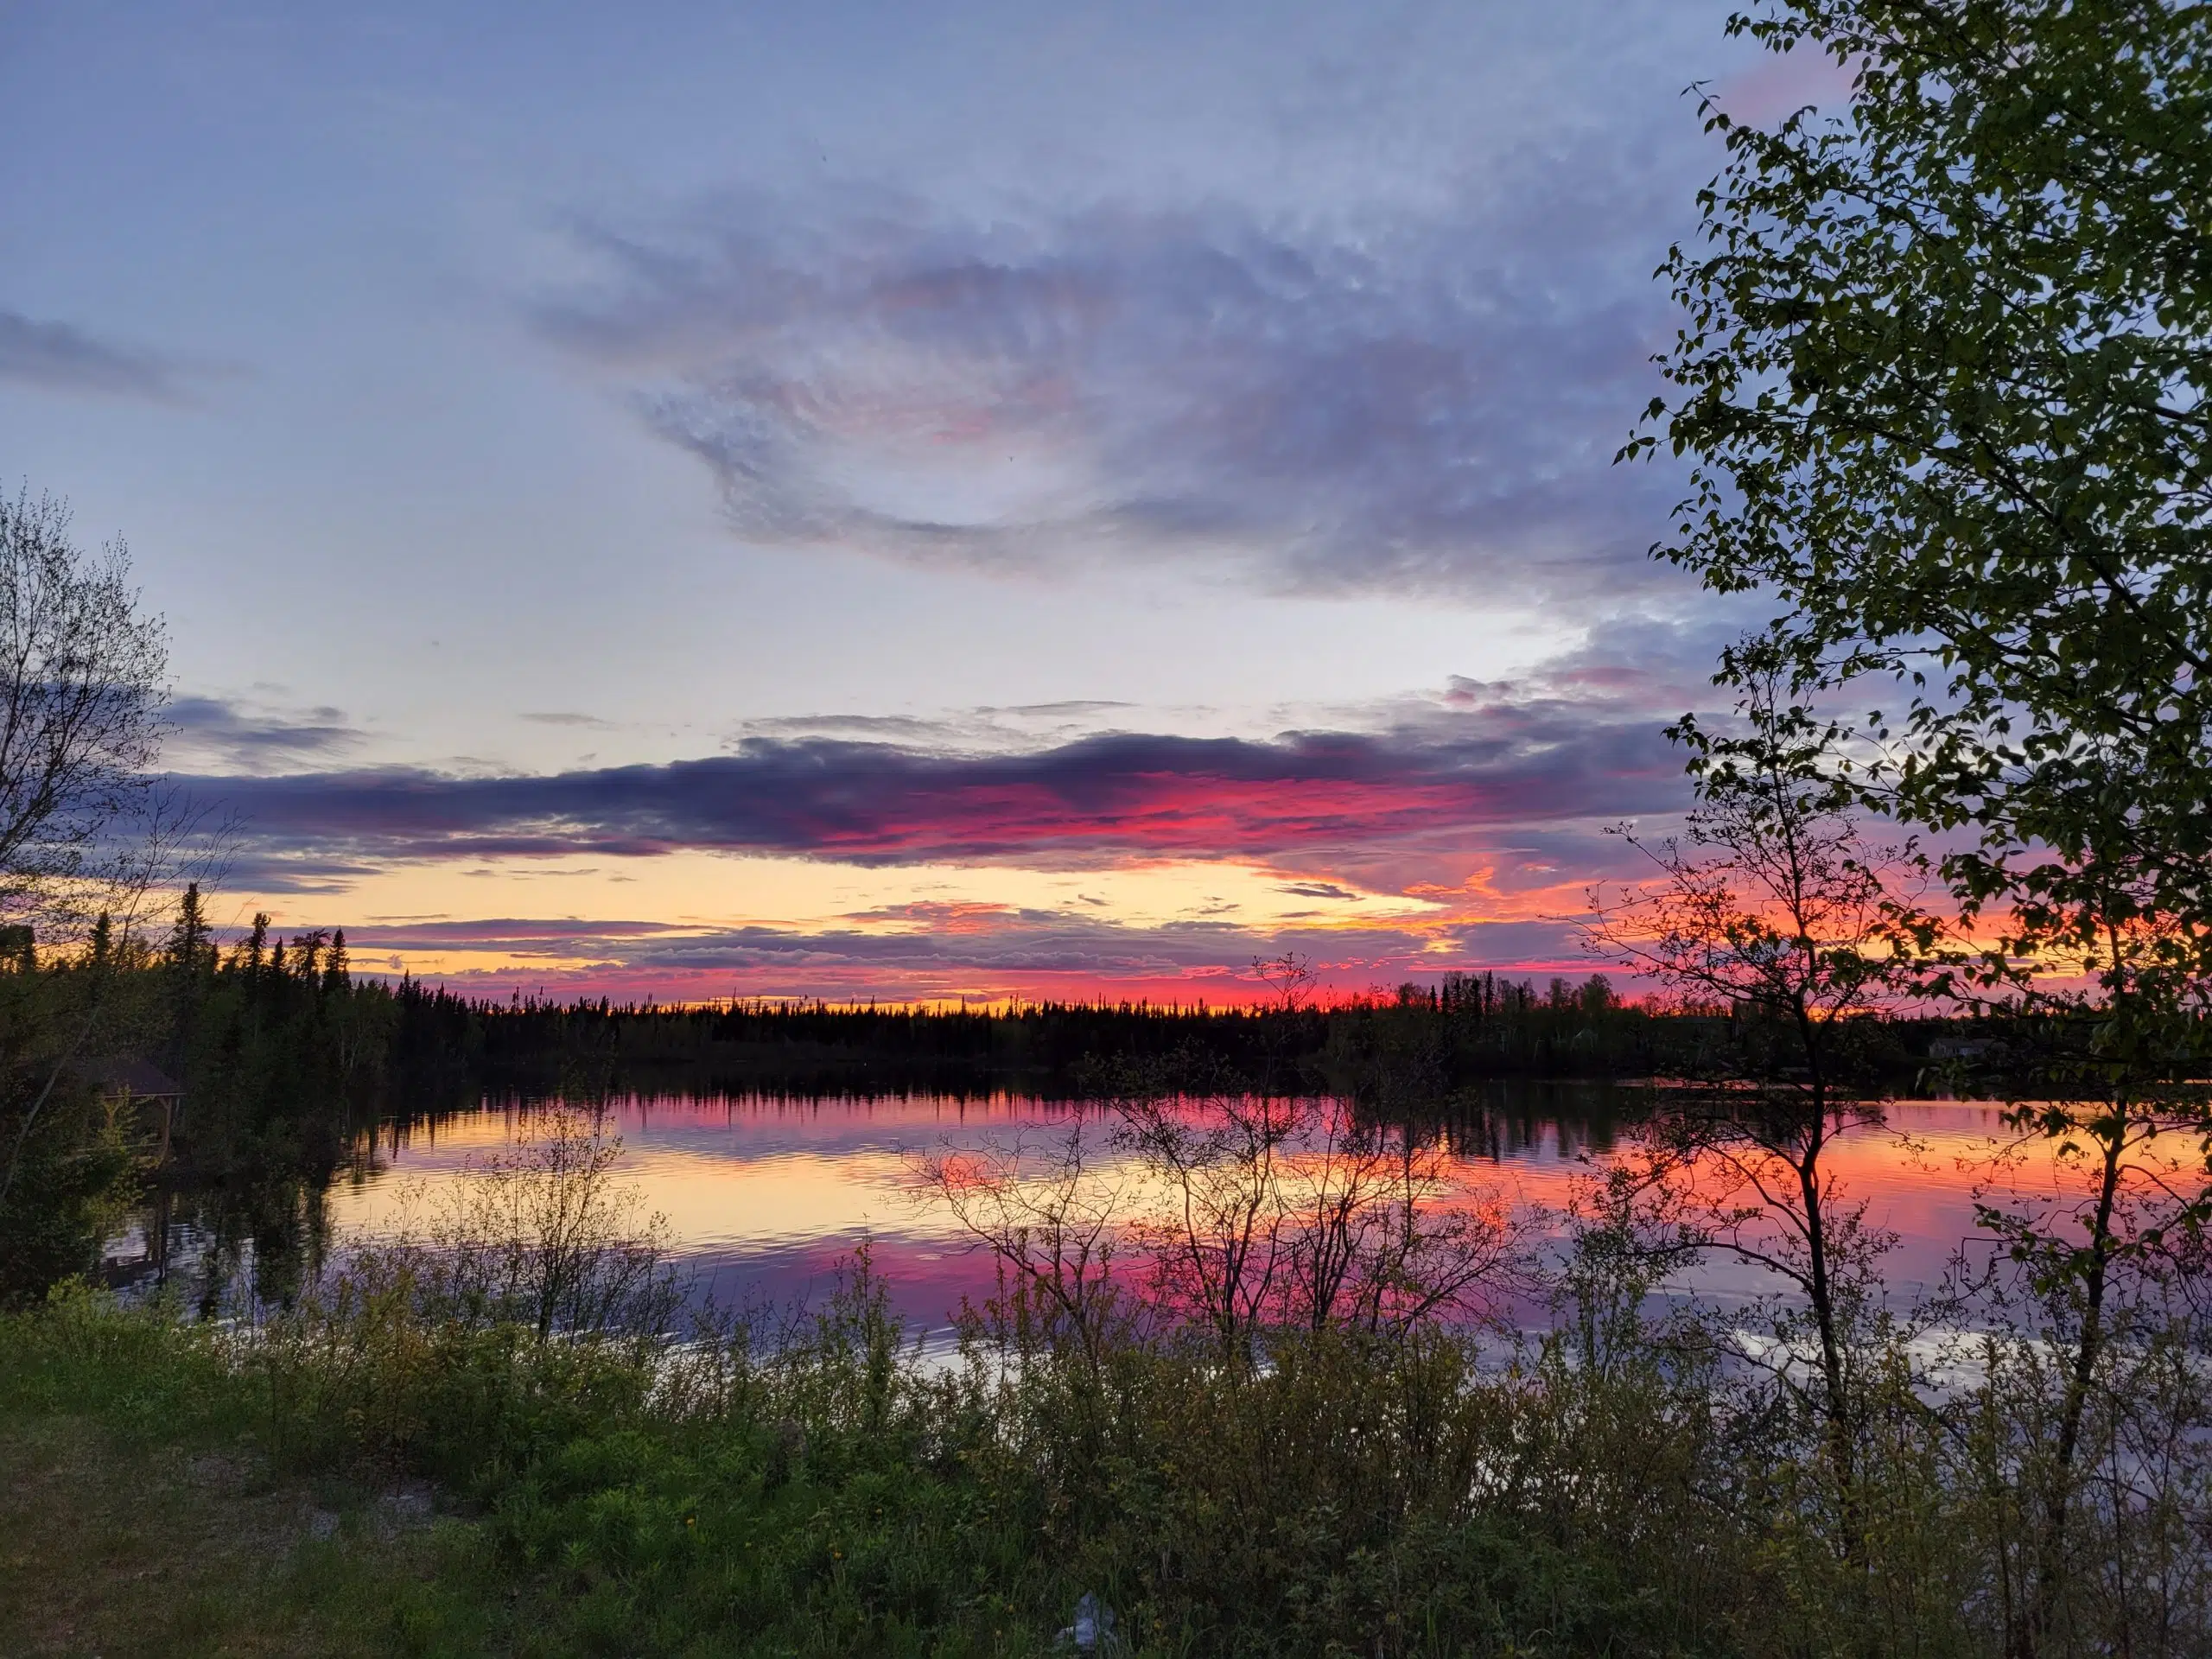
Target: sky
(948, 501)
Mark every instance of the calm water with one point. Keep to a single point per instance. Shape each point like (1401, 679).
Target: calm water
(763, 1196)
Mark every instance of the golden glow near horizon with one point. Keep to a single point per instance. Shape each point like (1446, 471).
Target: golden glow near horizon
(701, 894)
(576, 919)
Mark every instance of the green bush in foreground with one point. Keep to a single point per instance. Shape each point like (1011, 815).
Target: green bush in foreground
(836, 1495)
(833, 1494)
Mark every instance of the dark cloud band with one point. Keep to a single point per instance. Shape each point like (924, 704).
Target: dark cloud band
(1102, 799)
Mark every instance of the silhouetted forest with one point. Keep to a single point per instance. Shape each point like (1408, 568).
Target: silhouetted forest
(1404, 1047)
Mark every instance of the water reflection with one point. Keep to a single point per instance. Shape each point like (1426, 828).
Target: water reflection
(763, 1194)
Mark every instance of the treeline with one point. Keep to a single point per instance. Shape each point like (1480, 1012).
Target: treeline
(145, 1065)
(269, 1040)
(1411, 1044)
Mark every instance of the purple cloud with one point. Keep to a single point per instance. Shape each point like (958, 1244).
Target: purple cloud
(1101, 800)
(1424, 405)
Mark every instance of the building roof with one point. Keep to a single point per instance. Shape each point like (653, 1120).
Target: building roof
(120, 1074)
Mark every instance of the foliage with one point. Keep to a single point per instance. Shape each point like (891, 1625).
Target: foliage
(73, 1154)
(1779, 907)
(86, 835)
(1943, 375)
(81, 694)
(1404, 1047)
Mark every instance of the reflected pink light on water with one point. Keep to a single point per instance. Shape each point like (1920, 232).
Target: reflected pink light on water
(763, 1197)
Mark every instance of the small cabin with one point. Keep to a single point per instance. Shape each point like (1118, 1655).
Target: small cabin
(121, 1075)
(124, 1080)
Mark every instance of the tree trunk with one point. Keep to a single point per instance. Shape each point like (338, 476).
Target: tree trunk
(2082, 1374)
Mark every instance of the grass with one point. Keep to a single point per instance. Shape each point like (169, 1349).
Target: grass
(143, 1511)
(172, 1489)
(115, 1548)
(162, 1499)
(171, 1492)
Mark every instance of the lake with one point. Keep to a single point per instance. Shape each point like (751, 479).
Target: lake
(764, 1195)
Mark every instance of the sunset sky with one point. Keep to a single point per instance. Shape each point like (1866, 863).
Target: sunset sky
(918, 500)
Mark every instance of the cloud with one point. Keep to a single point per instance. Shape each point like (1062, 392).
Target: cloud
(1317, 890)
(987, 728)
(971, 949)
(884, 728)
(215, 729)
(1097, 800)
(1414, 404)
(877, 803)
(1484, 803)
(59, 357)
(504, 933)
(1065, 710)
(1780, 85)
(587, 723)
(1660, 664)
